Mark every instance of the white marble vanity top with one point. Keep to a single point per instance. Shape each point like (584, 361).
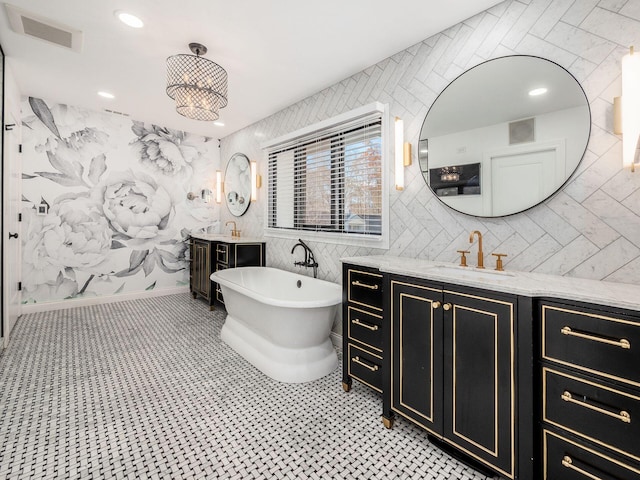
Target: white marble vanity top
(623, 295)
(218, 237)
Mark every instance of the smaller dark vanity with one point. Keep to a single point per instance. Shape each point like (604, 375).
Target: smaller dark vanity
(210, 253)
(515, 371)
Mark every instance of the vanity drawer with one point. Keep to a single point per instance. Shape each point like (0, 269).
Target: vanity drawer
(587, 340)
(365, 327)
(222, 253)
(365, 288)
(365, 366)
(565, 459)
(589, 409)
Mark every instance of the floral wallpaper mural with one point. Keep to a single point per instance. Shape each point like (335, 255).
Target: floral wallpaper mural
(105, 208)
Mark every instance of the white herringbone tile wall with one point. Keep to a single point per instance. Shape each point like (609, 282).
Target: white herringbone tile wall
(589, 229)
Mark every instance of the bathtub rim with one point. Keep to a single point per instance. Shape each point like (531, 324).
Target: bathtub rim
(218, 277)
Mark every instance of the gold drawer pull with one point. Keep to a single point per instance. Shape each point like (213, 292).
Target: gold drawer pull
(447, 306)
(357, 321)
(221, 251)
(357, 283)
(567, 461)
(435, 305)
(622, 343)
(623, 416)
(373, 368)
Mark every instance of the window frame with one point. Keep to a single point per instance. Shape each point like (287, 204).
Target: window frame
(332, 235)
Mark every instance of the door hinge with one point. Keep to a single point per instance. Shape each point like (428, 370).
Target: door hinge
(9, 126)
(19, 286)
(20, 148)
(19, 217)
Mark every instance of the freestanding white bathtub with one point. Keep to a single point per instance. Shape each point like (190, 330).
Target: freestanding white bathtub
(280, 321)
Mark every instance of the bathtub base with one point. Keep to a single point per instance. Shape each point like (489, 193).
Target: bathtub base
(288, 365)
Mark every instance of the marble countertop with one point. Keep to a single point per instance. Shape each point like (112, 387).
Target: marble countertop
(623, 295)
(217, 237)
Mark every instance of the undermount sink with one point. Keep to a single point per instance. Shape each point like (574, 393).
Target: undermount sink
(470, 272)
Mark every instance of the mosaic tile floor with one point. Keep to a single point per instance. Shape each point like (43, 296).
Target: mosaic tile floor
(145, 389)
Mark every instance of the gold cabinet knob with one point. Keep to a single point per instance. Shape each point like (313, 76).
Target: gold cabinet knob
(447, 306)
(435, 305)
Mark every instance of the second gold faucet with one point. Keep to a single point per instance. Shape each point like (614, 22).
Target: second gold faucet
(234, 231)
(480, 254)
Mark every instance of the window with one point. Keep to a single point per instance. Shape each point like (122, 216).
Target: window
(330, 180)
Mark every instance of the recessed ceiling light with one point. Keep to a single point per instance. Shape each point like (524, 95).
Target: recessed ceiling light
(538, 91)
(106, 95)
(219, 124)
(129, 19)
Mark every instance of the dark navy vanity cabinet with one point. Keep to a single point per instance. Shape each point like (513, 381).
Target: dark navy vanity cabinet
(529, 387)
(210, 253)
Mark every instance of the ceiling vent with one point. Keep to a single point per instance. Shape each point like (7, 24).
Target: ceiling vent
(27, 23)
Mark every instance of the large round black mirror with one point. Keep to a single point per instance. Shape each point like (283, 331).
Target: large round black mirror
(504, 136)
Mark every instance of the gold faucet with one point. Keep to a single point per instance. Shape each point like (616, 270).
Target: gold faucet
(480, 254)
(234, 231)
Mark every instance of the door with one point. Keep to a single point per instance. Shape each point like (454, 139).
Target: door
(416, 353)
(479, 377)
(518, 177)
(11, 250)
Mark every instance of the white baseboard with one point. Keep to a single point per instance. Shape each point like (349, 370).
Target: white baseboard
(85, 302)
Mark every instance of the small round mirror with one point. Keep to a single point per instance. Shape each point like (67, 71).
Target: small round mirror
(504, 136)
(237, 184)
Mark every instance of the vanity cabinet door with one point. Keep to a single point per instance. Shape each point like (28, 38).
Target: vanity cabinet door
(479, 376)
(247, 254)
(416, 353)
(201, 268)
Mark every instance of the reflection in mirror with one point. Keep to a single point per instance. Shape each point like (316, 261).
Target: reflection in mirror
(237, 184)
(504, 136)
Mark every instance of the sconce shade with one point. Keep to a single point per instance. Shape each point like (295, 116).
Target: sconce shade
(218, 186)
(631, 109)
(197, 85)
(254, 181)
(399, 153)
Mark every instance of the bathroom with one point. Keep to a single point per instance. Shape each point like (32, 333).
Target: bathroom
(589, 229)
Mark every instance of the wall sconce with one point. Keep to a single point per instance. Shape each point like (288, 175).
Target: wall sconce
(218, 186)
(256, 181)
(402, 153)
(627, 110)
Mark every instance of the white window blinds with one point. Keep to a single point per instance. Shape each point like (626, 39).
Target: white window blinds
(330, 179)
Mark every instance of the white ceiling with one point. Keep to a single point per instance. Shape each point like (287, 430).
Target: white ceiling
(276, 52)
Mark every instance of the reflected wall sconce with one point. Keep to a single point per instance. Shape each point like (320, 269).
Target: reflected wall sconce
(256, 181)
(402, 153)
(627, 110)
(218, 186)
(204, 195)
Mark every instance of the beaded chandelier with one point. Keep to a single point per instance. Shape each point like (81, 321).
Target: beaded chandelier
(197, 85)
